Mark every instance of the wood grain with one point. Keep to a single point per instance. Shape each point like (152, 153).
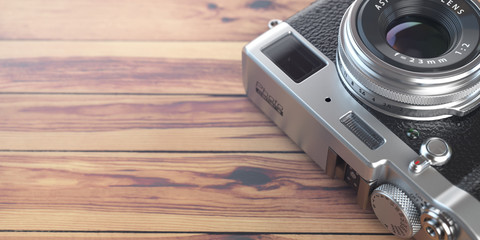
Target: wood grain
(121, 75)
(175, 193)
(144, 20)
(127, 236)
(136, 123)
(214, 50)
(128, 120)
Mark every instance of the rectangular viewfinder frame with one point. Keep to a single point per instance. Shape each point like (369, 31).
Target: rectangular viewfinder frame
(293, 58)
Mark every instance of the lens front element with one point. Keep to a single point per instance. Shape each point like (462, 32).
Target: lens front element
(418, 37)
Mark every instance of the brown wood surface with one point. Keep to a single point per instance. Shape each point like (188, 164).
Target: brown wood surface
(128, 120)
(129, 236)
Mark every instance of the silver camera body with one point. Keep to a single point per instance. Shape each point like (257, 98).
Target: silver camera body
(317, 103)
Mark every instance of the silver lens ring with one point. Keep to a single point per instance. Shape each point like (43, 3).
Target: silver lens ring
(395, 83)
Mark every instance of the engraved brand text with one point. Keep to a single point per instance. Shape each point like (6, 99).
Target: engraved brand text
(270, 100)
(381, 4)
(449, 3)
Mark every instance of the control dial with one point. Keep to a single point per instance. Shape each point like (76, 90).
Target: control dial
(396, 210)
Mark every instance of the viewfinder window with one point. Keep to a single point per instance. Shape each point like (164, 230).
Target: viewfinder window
(294, 58)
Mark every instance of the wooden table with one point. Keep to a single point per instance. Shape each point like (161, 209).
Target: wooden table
(128, 120)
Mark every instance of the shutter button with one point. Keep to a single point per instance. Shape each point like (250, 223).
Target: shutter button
(434, 151)
(437, 147)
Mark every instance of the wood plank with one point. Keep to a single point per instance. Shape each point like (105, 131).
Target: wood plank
(136, 123)
(284, 193)
(122, 49)
(133, 236)
(187, 20)
(121, 75)
(97, 113)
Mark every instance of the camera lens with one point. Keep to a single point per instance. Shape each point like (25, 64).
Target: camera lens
(418, 37)
(415, 59)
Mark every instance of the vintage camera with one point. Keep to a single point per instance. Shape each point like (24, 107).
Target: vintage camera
(383, 94)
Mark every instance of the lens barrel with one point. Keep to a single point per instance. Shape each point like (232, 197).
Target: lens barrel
(413, 59)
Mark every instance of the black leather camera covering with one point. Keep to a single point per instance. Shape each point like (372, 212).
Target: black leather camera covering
(319, 24)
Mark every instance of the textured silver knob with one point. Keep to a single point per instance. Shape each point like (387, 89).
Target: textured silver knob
(396, 210)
